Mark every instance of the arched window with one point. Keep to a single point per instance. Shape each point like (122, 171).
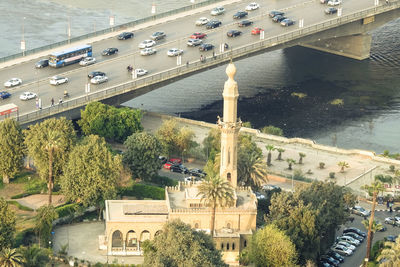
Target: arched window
(233, 246)
(228, 225)
(159, 232)
(228, 176)
(196, 226)
(227, 246)
(245, 243)
(131, 239)
(116, 239)
(145, 235)
(222, 246)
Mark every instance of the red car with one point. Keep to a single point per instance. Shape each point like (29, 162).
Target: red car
(175, 160)
(256, 30)
(198, 35)
(167, 165)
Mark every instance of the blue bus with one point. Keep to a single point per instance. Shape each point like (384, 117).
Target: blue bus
(70, 56)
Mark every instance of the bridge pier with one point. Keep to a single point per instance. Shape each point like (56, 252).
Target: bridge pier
(356, 46)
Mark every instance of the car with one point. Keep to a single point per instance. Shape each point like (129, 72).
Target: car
(233, 33)
(324, 264)
(287, 22)
(163, 159)
(335, 255)
(99, 79)
(197, 172)
(96, 73)
(324, 1)
(354, 230)
(391, 238)
(206, 47)
(178, 168)
(275, 13)
(13, 82)
(334, 2)
(125, 35)
(198, 35)
(158, 36)
(194, 42)
(355, 236)
(141, 72)
(270, 187)
(348, 239)
(217, 11)
(347, 245)
(245, 23)
(167, 165)
(393, 221)
(87, 61)
(259, 195)
(331, 10)
(175, 160)
(360, 211)
(256, 31)
(4, 95)
(252, 6)
(330, 260)
(240, 14)
(383, 228)
(342, 250)
(109, 51)
(173, 52)
(56, 80)
(148, 51)
(188, 179)
(213, 24)
(278, 18)
(202, 21)
(42, 63)
(27, 96)
(147, 43)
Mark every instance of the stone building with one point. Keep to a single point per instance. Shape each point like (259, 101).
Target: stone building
(130, 222)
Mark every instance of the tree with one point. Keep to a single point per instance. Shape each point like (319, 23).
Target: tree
(179, 245)
(251, 170)
(390, 255)
(12, 149)
(342, 165)
(301, 155)
(272, 130)
(280, 150)
(215, 192)
(271, 247)
(44, 223)
(290, 163)
(269, 148)
(7, 224)
(49, 144)
(212, 143)
(110, 122)
(35, 256)
(376, 227)
(10, 258)
(141, 156)
(91, 173)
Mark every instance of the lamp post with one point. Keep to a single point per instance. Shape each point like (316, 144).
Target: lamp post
(23, 47)
(69, 29)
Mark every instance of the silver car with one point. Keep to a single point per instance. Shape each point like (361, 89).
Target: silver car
(217, 11)
(56, 80)
(13, 82)
(202, 21)
(349, 239)
(174, 52)
(148, 51)
(87, 61)
(347, 245)
(194, 42)
(99, 79)
(146, 44)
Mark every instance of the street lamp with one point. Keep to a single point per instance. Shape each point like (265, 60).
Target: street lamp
(23, 47)
(69, 29)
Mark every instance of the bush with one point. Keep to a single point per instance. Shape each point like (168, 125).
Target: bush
(321, 165)
(272, 130)
(376, 248)
(25, 194)
(19, 206)
(163, 180)
(141, 191)
(25, 238)
(391, 168)
(35, 185)
(331, 175)
(66, 210)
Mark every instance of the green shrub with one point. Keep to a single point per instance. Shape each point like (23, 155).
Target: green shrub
(66, 210)
(24, 238)
(331, 175)
(392, 168)
(35, 185)
(299, 176)
(25, 194)
(141, 191)
(19, 206)
(375, 250)
(23, 177)
(163, 180)
(1, 182)
(272, 130)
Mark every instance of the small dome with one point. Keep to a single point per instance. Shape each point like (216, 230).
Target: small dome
(231, 70)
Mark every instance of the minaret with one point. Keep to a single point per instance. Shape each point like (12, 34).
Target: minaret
(230, 127)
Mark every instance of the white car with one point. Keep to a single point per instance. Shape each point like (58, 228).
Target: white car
(147, 43)
(334, 2)
(27, 96)
(347, 245)
(202, 21)
(218, 11)
(148, 51)
(99, 79)
(87, 61)
(56, 80)
(13, 82)
(141, 72)
(252, 6)
(188, 179)
(174, 52)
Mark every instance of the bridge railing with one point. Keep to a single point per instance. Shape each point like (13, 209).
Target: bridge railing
(108, 30)
(198, 65)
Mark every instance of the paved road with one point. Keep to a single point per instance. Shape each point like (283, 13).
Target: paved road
(177, 34)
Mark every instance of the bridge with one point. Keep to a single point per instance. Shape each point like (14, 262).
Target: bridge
(344, 34)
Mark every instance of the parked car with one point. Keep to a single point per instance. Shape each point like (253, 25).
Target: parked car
(13, 82)
(56, 80)
(163, 159)
(173, 52)
(206, 47)
(202, 21)
(141, 72)
(4, 95)
(252, 6)
(147, 43)
(42, 63)
(278, 18)
(331, 10)
(27, 96)
(217, 11)
(198, 35)
(256, 31)
(334, 2)
(213, 24)
(287, 22)
(110, 51)
(240, 14)
(233, 33)
(194, 42)
(324, 1)
(356, 236)
(87, 61)
(383, 228)
(391, 238)
(197, 172)
(259, 195)
(275, 13)
(360, 211)
(245, 23)
(158, 35)
(99, 79)
(330, 260)
(347, 245)
(354, 230)
(148, 51)
(188, 179)
(393, 221)
(270, 187)
(348, 239)
(175, 160)
(335, 255)
(96, 73)
(342, 250)
(167, 165)
(178, 168)
(125, 35)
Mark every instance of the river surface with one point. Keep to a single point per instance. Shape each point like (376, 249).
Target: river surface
(369, 117)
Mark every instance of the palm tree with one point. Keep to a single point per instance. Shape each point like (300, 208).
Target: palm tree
(252, 170)
(215, 192)
(342, 165)
(10, 258)
(301, 155)
(373, 191)
(391, 254)
(280, 150)
(290, 163)
(270, 148)
(53, 142)
(376, 227)
(35, 256)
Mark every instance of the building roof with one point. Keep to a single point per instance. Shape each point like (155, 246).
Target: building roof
(136, 210)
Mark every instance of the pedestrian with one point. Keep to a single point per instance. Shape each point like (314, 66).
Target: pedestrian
(214, 56)
(187, 64)
(387, 204)
(60, 101)
(390, 207)
(52, 102)
(201, 58)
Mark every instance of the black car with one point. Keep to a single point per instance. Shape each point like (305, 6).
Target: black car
(163, 159)
(109, 51)
(240, 14)
(213, 24)
(125, 35)
(42, 63)
(330, 260)
(245, 23)
(331, 10)
(335, 255)
(391, 238)
(197, 173)
(206, 47)
(4, 95)
(278, 18)
(178, 168)
(355, 230)
(275, 13)
(96, 73)
(287, 22)
(158, 36)
(233, 33)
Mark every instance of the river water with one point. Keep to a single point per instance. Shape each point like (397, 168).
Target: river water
(369, 90)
